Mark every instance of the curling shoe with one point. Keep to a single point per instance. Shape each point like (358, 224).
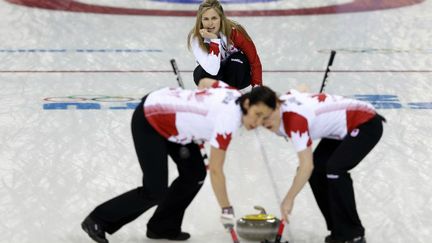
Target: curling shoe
(359, 239)
(94, 230)
(177, 237)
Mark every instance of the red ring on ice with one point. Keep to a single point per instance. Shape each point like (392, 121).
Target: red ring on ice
(352, 7)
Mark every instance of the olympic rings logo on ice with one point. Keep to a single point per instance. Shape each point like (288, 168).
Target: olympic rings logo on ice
(114, 102)
(90, 98)
(90, 102)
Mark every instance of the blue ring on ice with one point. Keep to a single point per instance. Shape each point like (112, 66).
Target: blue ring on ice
(222, 1)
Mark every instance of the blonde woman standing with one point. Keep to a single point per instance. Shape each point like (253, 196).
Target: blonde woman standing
(223, 49)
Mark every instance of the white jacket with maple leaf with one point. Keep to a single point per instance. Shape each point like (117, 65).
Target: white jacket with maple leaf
(220, 50)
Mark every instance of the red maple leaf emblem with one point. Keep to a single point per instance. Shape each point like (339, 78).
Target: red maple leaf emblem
(321, 97)
(295, 123)
(223, 140)
(214, 48)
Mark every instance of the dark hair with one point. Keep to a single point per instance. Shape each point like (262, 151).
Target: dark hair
(260, 94)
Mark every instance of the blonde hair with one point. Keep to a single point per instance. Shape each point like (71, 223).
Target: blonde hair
(226, 24)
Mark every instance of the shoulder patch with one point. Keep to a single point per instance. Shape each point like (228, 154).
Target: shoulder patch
(223, 140)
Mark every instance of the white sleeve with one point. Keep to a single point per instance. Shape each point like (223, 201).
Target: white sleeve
(222, 135)
(210, 62)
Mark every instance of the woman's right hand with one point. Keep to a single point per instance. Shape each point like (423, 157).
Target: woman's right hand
(207, 35)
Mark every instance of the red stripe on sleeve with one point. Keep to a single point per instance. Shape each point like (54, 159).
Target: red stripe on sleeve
(248, 48)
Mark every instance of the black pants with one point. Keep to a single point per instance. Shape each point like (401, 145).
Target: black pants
(152, 150)
(331, 182)
(235, 71)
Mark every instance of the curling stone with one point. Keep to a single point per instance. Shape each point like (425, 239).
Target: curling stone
(258, 227)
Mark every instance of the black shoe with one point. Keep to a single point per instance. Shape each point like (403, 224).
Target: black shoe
(329, 239)
(180, 236)
(94, 230)
(359, 239)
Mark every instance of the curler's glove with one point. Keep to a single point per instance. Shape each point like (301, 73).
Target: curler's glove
(227, 217)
